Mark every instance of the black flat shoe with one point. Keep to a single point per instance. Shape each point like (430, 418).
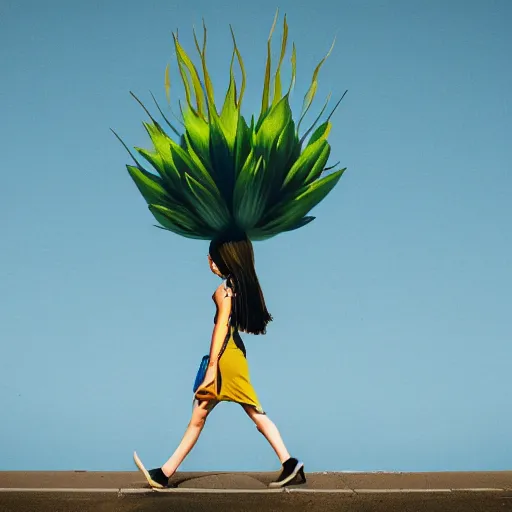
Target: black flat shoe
(155, 477)
(291, 469)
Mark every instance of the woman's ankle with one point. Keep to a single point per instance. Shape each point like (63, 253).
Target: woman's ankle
(167, 471)
(284, 457)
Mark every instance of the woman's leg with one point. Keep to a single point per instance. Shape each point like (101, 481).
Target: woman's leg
(266, 426)
(189, 439)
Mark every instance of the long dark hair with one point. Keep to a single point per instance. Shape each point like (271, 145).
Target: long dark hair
(235, 261)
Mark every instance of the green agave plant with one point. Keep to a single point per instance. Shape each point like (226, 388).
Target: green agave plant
(224, 175)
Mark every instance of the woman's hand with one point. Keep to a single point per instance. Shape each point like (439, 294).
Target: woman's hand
(209, 375)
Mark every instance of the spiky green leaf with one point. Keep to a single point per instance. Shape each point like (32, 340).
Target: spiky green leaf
(178, 222)
(287, 146)
(243, 144)
(277, 79)
(198, 131)
(212, 210)
(279, 160)
(210, 96)
(289, 213)
(222, 161)
(272, 126)
(322, 132)
(251, 193)
(167, 84)
(260, 235)
(308, 131)
(161, 158)
(169, 124)
(242, 69)
(268, 66)
(319, 165)
(150, 186)
(186, 165)
(187, 63)
(308, 98)
(304, 164)
(294, 68)
(229, 114)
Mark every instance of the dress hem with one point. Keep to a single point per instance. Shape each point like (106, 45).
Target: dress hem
(214, 403)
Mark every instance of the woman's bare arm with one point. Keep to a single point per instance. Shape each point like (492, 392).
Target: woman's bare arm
(220, 331)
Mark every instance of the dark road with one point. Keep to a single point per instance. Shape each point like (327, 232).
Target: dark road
(282, 502)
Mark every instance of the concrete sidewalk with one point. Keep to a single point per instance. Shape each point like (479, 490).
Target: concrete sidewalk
(70, 491)
(132, 482)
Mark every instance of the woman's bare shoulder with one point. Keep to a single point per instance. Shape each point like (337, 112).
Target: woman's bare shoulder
(222, 292)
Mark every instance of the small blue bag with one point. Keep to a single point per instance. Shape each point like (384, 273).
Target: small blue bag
(201, 372)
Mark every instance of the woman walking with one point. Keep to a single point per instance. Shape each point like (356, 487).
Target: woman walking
(240, 307)
(232, 182)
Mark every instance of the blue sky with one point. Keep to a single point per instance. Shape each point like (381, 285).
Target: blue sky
(391, 344)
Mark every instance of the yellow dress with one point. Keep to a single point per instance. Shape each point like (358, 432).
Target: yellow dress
(233, 381)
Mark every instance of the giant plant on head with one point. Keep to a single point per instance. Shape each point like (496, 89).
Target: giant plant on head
(226, 177)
